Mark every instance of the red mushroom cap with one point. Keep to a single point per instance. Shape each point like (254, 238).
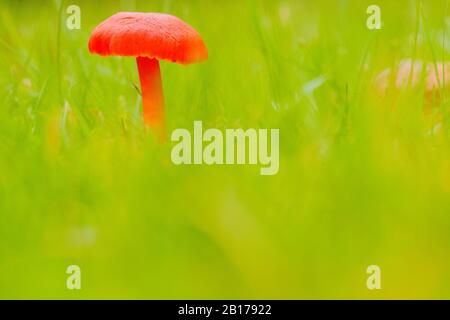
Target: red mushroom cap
(153, 35)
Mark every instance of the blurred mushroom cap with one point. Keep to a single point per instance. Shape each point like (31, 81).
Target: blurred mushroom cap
(431, 77)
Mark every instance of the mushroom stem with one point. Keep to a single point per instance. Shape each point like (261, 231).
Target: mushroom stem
(152, 94)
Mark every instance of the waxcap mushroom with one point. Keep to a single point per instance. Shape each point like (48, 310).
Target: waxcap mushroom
(149, 37)
(433, 77)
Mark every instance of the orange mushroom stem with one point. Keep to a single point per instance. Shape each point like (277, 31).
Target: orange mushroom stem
(152, 94)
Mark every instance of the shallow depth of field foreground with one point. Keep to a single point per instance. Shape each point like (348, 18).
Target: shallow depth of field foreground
(364, 175)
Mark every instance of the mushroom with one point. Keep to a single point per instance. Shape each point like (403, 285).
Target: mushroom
(434, 77)
(149, 37)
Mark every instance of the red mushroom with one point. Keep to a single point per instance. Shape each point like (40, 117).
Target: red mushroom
(149, 37)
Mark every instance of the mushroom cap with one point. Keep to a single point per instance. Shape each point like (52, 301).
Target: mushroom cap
(432, 74)
(433, 78)
(154, 35)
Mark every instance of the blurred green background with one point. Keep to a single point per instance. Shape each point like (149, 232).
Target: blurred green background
(359, 183)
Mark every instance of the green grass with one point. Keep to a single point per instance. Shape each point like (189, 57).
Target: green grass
(359, 183)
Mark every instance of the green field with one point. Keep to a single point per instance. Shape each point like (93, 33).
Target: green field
(360, 182)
